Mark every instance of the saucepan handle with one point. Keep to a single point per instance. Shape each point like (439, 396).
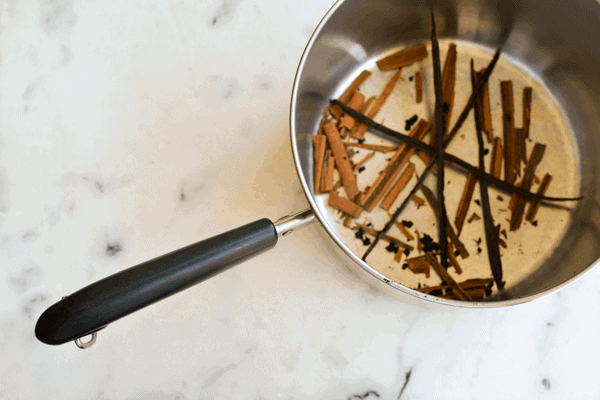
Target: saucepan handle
(97, 305)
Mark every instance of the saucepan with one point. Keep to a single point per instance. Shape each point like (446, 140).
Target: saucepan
(552, 41)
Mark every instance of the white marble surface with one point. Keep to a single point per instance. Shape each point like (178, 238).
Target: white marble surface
(129, 129)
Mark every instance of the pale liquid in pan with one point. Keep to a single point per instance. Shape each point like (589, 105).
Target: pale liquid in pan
(530, 245)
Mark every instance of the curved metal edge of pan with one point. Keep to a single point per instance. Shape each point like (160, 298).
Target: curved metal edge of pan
(380, 277)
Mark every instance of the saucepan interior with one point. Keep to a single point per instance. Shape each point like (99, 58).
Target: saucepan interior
(552, 40)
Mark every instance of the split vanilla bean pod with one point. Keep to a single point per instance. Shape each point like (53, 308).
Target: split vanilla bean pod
(439, 134)
(491, 234)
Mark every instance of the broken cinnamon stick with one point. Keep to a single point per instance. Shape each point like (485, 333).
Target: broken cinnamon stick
(355, 103)
(527, 94)
(419, 243)
(465, 202)
(419, 265)
(419, 201)
(508, 110)
(320, 142)
(419, 86)
(341, 160)
(359, 130)
(401, 157)
(347, 95)
(327, 184)
(485, 109)
(445, 276)
(496, 164)
(348, 216)
(454, 261)
(344, 205)
(398, 187)
(535, 205)
(405, 231)
(371, 146)
(398, 255)
(354, 168)
(403, 57)
(534, 159)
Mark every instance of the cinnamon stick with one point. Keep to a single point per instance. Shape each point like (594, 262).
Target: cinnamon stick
(359, 130)
(536, 157)
(398, 187)
(535, 205)
(319, 142)
(344, 205)
(327, 183)
(405, 231)
(356, 166)
(527, 94)
(419, 86)
(417, 200)
(502, 243)
(403, 57)
(355, 103)
(366, 105)
(496, 163)
(419, 243)
(341, 160)
(419, 265)
(371, 146)
(348, 216)
(454, 261)
(401, 157)
(485, 108)
(398, 255)
(347, 95)
(508, 109)
(445, 276)
(465, 202)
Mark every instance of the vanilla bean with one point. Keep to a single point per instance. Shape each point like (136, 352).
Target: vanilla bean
(491, 234)
(439, 134)
(491, 180)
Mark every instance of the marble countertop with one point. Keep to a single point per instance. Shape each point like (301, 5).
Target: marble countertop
(128, 130)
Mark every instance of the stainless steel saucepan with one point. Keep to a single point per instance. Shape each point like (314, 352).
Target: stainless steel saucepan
(551, 40)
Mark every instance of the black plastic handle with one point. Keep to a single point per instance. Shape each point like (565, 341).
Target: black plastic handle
(97, 305)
